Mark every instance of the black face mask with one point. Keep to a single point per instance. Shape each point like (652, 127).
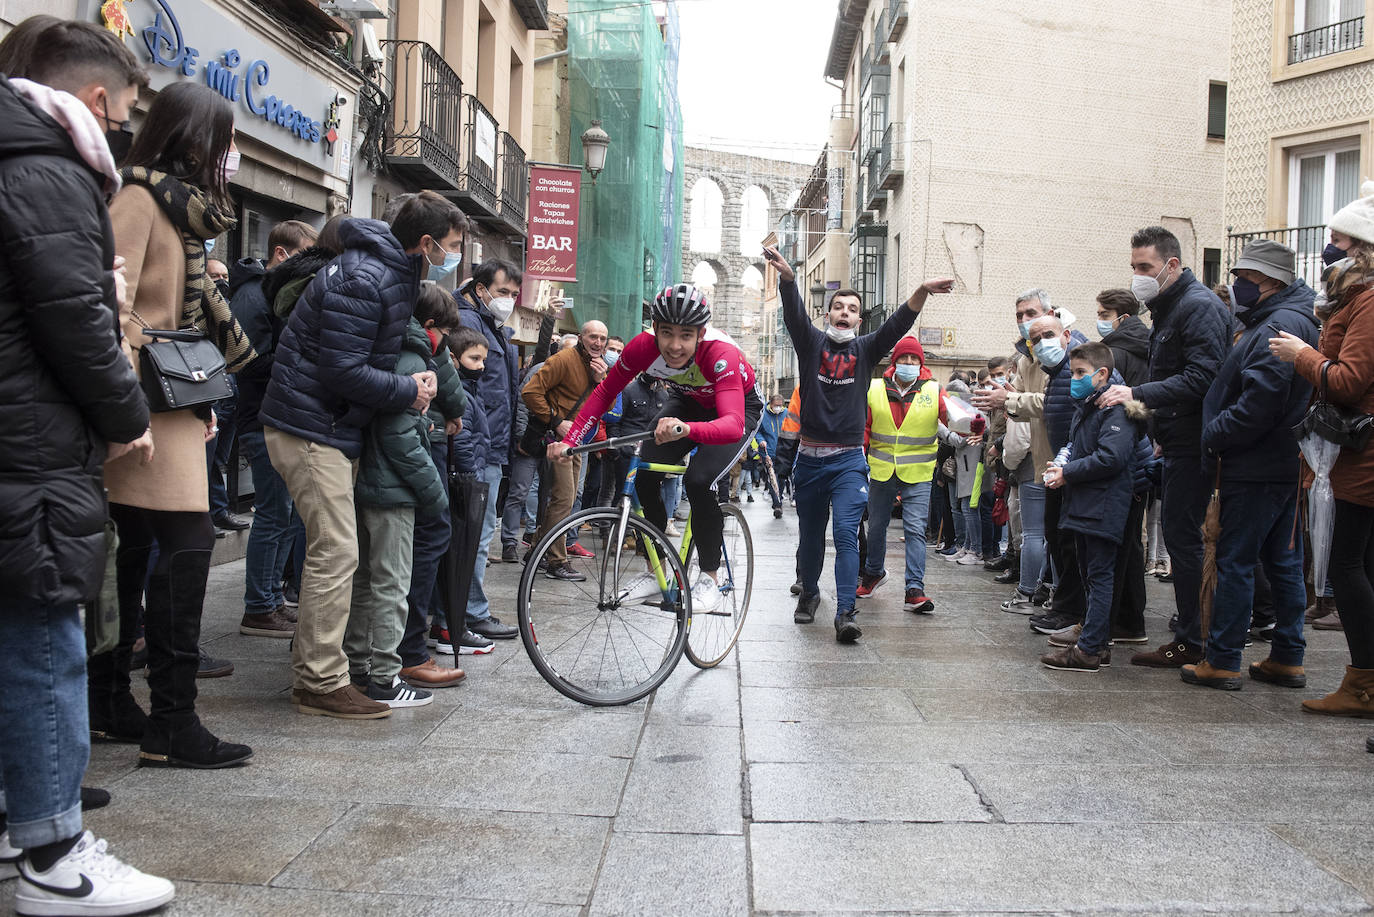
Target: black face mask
(470, 374)
(1331, 254)
(223, 287)
(120, 137)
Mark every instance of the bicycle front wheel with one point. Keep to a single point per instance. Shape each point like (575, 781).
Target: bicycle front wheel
(604, 630)
(713, 635)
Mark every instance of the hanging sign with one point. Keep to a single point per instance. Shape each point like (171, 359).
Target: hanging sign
(554, 197)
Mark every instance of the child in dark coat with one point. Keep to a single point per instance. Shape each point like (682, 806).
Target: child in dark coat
(1097, 477)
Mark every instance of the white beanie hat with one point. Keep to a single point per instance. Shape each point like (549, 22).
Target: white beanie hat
(1356, 219)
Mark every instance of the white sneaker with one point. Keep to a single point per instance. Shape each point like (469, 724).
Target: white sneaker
(706, 595)
(671, 530)
(642, 589)
(9, 857)
(954, 558)
(1019, 604)
(89, 880)
(969, 559)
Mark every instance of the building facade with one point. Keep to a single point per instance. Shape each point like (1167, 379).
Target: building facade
(734, 201)
(1021, 148)
(1300, 120)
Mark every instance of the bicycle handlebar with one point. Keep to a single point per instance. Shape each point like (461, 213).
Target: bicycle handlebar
(630, 439)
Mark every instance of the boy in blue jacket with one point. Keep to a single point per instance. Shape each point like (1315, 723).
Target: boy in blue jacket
(1097, 479)
(397, 482)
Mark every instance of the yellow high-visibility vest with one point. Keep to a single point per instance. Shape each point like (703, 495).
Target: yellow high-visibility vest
(908, 450)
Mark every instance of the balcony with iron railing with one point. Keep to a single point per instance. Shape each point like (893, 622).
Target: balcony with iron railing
(1307, 241)
(422, 141)
(534, 13)
(896, 19)
(477, 177)
(515, 185)
(1327, 39)
(891, 157)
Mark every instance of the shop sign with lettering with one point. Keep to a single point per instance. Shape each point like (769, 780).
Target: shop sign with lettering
(554, 199)
(276, 99)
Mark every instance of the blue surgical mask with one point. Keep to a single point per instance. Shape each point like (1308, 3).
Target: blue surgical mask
(1024, 328)
(438, 272)
(1105, 327)
(1081, 388)
(611, 356)
(1049, 353)
(907, 372)
(1000, 380)
(210, 246)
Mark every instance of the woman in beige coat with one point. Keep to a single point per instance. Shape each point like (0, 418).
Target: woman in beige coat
(174, 199)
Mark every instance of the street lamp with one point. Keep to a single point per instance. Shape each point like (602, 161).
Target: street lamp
(594, 144)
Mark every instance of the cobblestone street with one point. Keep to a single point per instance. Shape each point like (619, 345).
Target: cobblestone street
(933, 767)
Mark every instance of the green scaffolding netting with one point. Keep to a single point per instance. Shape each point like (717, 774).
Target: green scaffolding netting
(622, 70)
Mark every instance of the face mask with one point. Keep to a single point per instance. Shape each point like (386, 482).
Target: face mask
(209, 246)
(223, 287)
(839, 335)
(1024, 328)
(907, 372)
(1105, 327)
(776, 409)
(1081, 388)
(1330, 255)
(611, 356)
(1146, 288)
(1049, 353)
(231, 165)
(999, 380)
(438, 272)
(1244, 294)
(471, 375)
(501, 307)
(121, 137)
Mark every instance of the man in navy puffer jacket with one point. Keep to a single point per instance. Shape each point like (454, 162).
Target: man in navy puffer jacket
(1248, 419)
(333, 372)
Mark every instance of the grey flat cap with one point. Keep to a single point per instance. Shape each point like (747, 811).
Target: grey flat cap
(1269, 258)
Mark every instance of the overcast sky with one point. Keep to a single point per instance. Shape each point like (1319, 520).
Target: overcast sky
(752, 75)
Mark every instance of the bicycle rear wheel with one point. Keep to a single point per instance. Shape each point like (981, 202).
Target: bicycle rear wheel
(712, 636)
(587, 637)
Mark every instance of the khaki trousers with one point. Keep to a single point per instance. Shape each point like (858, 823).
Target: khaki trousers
(320, 479)
(562, 495)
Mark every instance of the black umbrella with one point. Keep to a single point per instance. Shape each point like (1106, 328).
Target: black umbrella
(467, 504)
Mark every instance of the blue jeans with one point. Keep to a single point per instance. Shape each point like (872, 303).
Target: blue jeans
(217, 450)
(522, 475)
(672, 494)
(479, 609)
(1097, 567)
(45, 738)
(960, 521)
(839, 481)
(915, 510)
(973, 525)
(1032, 497)
(430, 544)
(1256, 525)
(275, 527)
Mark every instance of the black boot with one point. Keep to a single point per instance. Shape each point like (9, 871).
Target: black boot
(115, 715)
(175, 737)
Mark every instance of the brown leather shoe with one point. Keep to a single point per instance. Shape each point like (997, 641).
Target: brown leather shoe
(1209, 676)
(1168, 656)
(430, 674)
(1325, 605)
(1355, 696)
(346, 703)
(1274, 673)
(1330, 621)
(271, 624)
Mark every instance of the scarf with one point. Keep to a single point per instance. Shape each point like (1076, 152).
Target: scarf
(198, 219)
(74, 117)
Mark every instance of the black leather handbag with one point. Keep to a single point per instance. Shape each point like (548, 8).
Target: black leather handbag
(1334, 423)
(181, 369)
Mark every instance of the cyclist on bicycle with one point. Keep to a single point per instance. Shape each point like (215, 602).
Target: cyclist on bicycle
(713, 406)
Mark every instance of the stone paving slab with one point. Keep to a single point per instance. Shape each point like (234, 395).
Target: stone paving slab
(657, 874)
(685, 779)
(802, 868)
(503, 856)
(865, 792)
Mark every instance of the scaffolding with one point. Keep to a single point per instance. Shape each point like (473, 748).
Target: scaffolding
(622, 70)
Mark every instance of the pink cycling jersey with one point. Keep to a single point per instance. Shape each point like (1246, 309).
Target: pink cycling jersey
(717, 378)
